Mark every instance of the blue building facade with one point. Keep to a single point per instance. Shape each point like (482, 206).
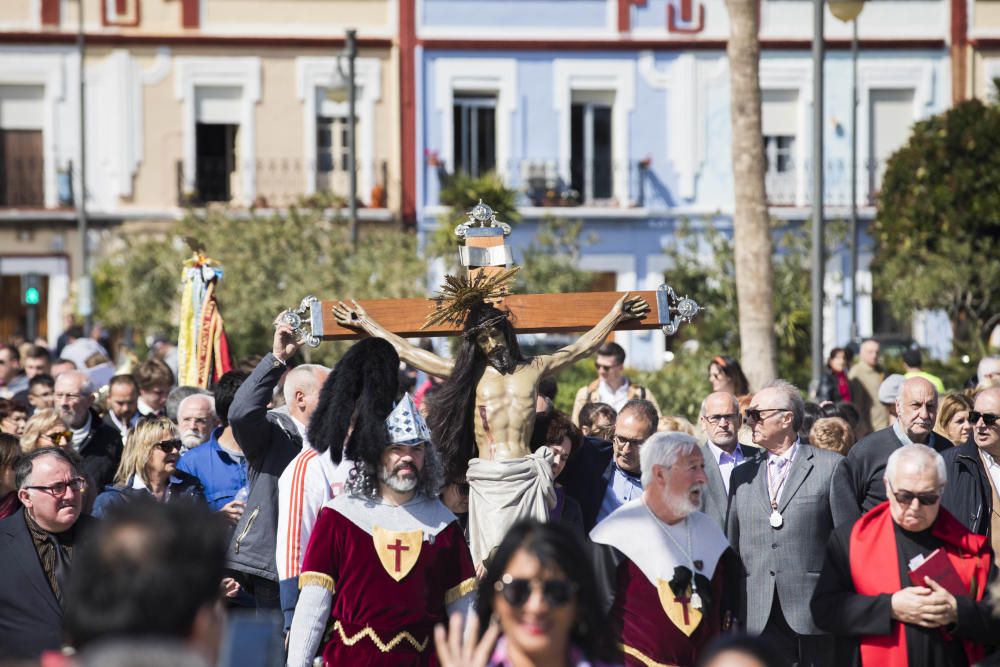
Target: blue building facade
(617, 112)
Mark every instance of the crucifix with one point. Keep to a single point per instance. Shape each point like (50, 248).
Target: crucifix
(483, 413)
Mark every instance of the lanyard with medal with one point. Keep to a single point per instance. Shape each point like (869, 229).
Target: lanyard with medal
(774, 491)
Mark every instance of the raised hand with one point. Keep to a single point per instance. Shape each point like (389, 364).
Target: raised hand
(286, 343)
(456, 650)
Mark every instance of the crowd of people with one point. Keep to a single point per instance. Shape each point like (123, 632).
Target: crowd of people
(856, 528)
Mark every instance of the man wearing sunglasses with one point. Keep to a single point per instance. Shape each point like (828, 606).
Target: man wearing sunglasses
(916, 412)
(37, 544)
(387, 560)
(783, 505)
(611, 387)
(974, 471)
(882, 610)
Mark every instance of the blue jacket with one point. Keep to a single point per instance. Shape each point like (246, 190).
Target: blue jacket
(216, 469)
(182, 486)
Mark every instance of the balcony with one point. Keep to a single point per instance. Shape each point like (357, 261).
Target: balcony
(274, 183)
(794, 187)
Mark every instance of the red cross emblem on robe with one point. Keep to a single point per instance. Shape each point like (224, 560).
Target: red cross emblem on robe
(678, 607)
(398, 551)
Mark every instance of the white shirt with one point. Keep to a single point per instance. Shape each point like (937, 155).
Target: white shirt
(992, 468)
(80, 434)
(726, 460)
(615, 398)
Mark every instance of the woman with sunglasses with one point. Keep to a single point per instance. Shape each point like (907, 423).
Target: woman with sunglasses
(541, 595)
(46, 428)
(149, 468)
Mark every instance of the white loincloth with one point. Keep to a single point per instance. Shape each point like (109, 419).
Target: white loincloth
(501, 492)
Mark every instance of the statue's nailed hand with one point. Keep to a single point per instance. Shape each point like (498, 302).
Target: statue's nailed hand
(631, 307)
(349, 316)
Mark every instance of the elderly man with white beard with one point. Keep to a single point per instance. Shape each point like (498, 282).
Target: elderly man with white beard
(196, 419)
(669, 593)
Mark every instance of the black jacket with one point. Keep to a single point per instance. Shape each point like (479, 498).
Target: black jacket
(181, 487)
(30, 615)
(968, 495)
(585, 477)
(101, 451)
(828, 390)
(866, 463)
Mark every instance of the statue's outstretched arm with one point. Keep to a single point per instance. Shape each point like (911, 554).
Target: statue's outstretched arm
(626, 308)
(355, 317)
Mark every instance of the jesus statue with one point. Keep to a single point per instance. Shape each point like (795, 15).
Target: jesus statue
(482, 416)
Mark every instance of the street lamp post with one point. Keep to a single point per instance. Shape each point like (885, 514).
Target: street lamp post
(84, 296)
(817, 194)
(848, 11)
(350, 53)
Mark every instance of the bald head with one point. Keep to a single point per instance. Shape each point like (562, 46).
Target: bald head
(916, 408)
(73, 394)
(301, 392)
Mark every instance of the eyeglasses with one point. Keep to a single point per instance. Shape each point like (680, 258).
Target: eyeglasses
(905, 498)
(59, 437)
(619, 441)
(606, 367)
(555, 592)
(715, 419)
(167, 446)
(755, 414)
(989, 419)
(58, 490)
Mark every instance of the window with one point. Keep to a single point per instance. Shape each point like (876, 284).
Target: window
(591, 168)
(779, 125)
(219, 111)
(475, 136)
(890, 117)
(22, 166)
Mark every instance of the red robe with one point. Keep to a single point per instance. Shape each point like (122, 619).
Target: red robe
(376, 620)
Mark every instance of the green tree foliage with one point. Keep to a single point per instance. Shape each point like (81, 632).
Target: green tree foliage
(702, 265)
(270, 263)
(937, 231)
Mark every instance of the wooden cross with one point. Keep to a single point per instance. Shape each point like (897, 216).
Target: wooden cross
(485, 251)
(399, 548)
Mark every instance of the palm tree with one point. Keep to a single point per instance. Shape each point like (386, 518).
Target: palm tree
(751, 229)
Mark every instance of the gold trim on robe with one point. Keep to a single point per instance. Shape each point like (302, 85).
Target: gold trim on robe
(642, 657)
(316, 579)
(385, 647)
(456, 593)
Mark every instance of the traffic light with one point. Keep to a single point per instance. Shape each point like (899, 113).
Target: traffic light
(31, 295)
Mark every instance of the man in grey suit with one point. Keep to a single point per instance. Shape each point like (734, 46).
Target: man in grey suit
(722, 451)
(783, 506)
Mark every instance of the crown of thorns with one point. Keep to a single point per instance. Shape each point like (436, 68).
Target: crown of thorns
(458, 295)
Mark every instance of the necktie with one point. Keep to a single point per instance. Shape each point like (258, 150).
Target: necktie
(776, 479)
(60, 566)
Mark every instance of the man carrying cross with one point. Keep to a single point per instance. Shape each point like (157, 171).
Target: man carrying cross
(386, 561)
(483, 414)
